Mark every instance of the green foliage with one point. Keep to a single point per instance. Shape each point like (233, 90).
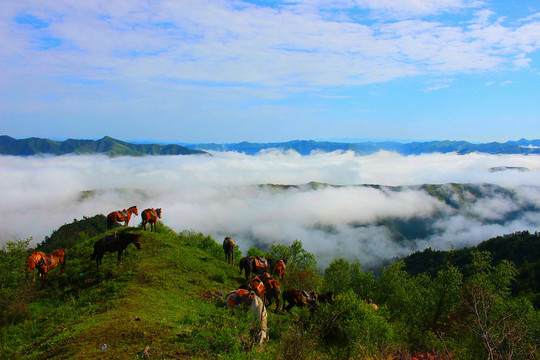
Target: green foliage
(253, 251)
(201, 241)
(337, 276)
(351, 327)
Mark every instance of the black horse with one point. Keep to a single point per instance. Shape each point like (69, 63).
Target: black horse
(114, 242)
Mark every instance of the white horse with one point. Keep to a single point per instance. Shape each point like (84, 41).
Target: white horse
(257, 307)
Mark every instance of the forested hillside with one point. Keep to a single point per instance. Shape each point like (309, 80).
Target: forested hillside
(166, 300)
(522, 249)
(106, 145)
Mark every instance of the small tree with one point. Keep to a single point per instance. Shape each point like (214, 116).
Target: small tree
(497, 321)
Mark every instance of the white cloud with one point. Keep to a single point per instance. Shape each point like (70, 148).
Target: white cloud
(218, 42)
(219, 195)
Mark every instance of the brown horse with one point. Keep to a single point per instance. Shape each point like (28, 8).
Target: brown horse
(272, 290)
(32, 261)
(254, 264)
(49, 262)
(121, 215)
(299, 298)
(279, 268)
(114, 242)
(150, 216)
(228, 248)
(257, 285)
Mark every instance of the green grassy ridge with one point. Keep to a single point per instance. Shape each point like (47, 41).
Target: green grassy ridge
(163, 284)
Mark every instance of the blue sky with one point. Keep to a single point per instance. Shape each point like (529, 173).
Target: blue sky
(261, 71)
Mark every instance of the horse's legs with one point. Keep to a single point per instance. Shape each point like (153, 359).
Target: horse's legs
(63, 264)
(120, 257)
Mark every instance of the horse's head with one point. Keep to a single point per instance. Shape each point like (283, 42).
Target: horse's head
(135, 210)
(41, 266)
(158, 213)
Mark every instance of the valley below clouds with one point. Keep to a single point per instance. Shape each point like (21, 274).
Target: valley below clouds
(372, 208)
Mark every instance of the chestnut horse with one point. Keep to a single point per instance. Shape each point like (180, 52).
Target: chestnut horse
(150, 216)
(119, 216)
(114, 242)
(49, 262)
(228, 248)
(31, 262)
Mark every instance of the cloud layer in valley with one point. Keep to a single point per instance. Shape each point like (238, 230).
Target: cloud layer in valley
(219, 195)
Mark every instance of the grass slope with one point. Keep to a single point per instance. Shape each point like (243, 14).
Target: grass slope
(166, 296)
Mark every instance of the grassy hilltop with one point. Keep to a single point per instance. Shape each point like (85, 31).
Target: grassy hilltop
(167, 298)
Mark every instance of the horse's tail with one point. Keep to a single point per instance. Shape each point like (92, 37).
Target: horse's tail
(241, 264)
(94, 254)
(110, 221)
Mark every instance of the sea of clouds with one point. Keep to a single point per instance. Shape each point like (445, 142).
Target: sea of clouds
(219, 195)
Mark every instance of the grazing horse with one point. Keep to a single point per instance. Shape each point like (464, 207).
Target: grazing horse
(248, 298)
(228, 248)
(114, 242)
(299, 298)
(49, 262)
(32, 261)
(150, 216)
(254, 264)
(121, 215)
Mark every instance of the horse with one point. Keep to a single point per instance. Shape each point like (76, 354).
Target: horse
(248, 298)
(257, 286)
(299, 298)
(150, 216)
(49, 262)
(31, 262)
(253, 264)
(328, 297)
(114, 242)
(228, 248)
(279, 268)
(121, 215)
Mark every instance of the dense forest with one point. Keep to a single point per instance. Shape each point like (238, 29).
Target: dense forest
(166, 300)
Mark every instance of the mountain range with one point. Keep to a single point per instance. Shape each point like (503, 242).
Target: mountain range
(106, 145)
(114, 147)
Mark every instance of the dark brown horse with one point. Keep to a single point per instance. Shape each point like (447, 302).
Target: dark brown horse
(254, 264)
(49, 262)
(31, 262)
(114, 242)
(228, 248)
(150, 216)
(121, 215)
(299, 298)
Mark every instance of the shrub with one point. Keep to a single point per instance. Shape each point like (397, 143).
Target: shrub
(351, 327)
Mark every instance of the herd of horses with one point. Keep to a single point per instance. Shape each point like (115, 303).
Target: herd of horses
(260, 290)
(116, 242)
